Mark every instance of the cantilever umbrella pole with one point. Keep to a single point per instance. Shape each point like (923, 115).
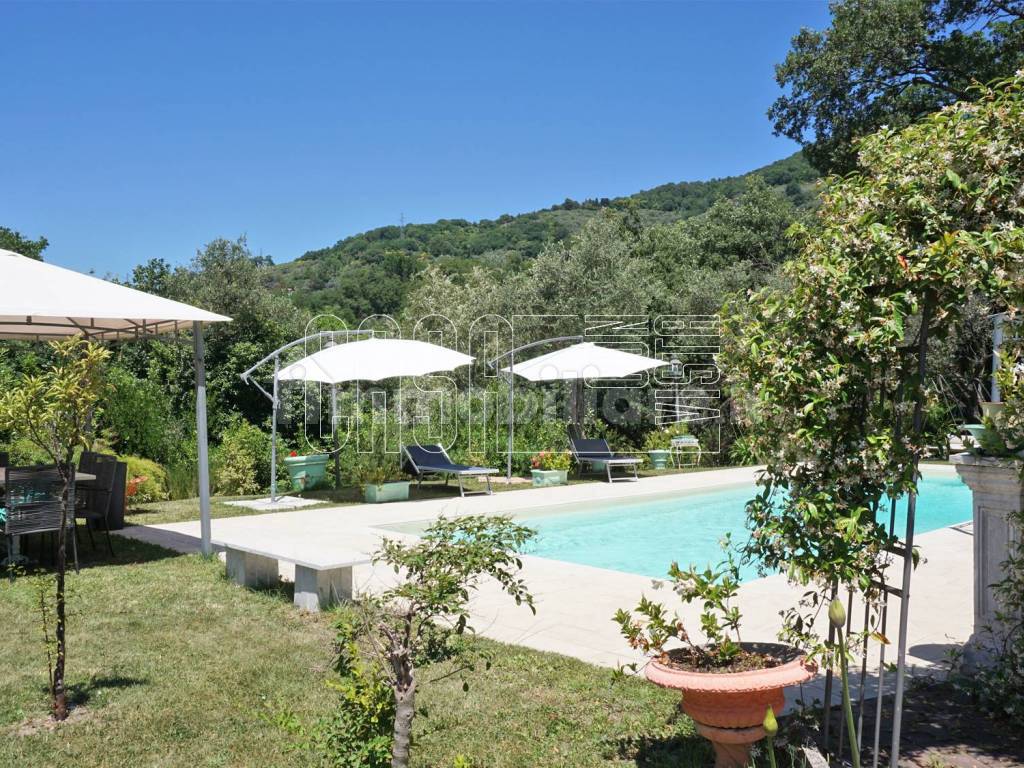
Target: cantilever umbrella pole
(511, 419)
(511, 355)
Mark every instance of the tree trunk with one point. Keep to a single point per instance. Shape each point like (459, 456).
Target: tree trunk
(405, 710)
(60, 699)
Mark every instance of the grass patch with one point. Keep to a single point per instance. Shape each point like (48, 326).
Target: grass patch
(174, 665)
(541, 709)
(171, 661)
(183, 510)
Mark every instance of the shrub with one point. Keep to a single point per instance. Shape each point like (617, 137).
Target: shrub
(137, 418)
(241, 460)
(551, 460)
(377, 469)
(650, 628)
(182, 480)
(147, 481)
(183, 470)
(23, 452)
(358, 733)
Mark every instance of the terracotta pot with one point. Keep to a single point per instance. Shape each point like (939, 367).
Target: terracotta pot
(729, 707)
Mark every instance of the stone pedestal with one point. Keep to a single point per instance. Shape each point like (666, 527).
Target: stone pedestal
(316, 589)
(998, 495)
(249, 570)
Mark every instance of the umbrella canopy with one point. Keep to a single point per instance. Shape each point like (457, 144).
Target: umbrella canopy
(373, 360)
(44, 301)
(584, 361)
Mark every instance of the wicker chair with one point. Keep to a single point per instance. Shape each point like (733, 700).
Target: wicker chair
(34, 504)
(87, 461)
(94, 499)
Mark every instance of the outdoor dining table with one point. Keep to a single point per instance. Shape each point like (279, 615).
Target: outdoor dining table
(83, 478)
(80, 477)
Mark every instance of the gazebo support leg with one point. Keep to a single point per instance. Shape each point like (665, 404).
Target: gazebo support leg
(201, 440)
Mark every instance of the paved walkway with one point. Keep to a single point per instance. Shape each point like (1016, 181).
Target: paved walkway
(575, 603)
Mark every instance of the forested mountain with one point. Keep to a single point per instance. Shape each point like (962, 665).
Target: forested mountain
(370, 272)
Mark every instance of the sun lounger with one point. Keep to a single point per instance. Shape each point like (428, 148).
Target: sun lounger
(591, 452)
(429, 460)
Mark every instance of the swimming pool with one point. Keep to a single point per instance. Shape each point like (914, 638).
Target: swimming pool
(644, 535)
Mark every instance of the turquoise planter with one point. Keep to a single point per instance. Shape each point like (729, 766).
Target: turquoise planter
(306, 472)
(394, 491)
(659, 458)
(977, 431)
(545, 477)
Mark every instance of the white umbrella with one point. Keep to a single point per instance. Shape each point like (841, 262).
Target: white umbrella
(584, 361)
(373, 360)
(366, 360)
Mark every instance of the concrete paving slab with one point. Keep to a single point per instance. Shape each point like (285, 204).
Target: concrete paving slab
(281, 503)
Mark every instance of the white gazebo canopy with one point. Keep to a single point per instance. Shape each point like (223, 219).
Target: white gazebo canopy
(41, 301)
(373, 360)
(44, 301)
(585, 360)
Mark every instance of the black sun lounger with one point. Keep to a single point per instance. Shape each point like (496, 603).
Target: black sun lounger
(590, 452)
(428, 460)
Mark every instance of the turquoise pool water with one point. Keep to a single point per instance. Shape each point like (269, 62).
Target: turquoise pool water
(645, 535)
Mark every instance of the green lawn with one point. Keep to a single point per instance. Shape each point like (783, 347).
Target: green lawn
(175, 666)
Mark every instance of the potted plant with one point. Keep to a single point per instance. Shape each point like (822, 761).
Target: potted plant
(550, 468)
(727, 684)
(381, 478)
(306, 472)
(659, 443)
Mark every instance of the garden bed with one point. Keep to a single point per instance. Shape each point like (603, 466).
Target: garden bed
(944, 728)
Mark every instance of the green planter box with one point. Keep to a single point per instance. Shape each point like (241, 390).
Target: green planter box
(394, 491)
(306, 472)
(546, 477)
(659, 458)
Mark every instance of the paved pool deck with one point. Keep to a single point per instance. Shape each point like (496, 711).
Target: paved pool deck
(575, 603)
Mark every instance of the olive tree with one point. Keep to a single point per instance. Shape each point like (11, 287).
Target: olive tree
(52, 410)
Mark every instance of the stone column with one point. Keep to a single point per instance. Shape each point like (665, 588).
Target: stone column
(998, 495)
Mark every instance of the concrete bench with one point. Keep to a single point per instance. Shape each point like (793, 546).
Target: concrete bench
(323, 574)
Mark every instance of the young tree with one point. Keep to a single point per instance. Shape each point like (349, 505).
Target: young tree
(418, 619)
(888, 63)
(52, 410)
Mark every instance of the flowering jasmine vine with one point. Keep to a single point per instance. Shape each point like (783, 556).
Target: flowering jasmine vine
(827, 371)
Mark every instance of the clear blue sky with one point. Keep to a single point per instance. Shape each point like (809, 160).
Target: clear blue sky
(132, 131)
